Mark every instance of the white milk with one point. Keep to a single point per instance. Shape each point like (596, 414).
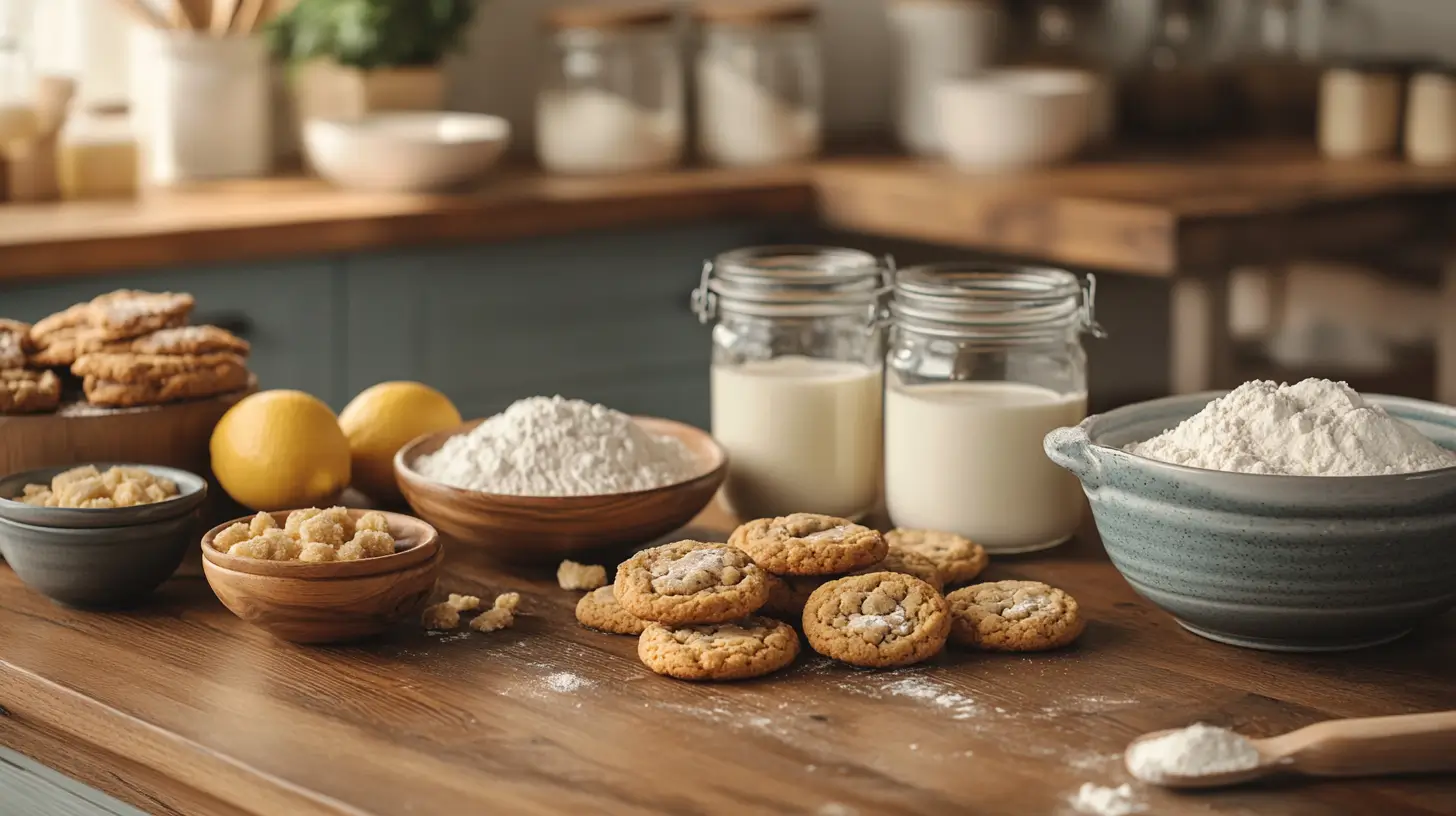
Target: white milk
(803, 435)
(968, 458)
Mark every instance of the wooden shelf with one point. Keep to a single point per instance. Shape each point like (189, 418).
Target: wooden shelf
(1143, 215)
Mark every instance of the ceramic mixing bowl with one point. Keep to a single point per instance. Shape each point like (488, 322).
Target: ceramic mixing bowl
(97, 567)
(1285, 563)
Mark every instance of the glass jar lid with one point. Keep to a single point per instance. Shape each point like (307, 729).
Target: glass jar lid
(790, 281)
(985, 300)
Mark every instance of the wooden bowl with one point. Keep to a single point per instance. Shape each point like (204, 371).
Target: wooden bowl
(328, 603)
(543, 529)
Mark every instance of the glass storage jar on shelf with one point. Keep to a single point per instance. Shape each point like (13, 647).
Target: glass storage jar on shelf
(759, 82)
(985, 360)
(796, 378)
(611, 96)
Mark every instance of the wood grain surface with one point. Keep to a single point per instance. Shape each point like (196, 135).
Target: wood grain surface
(1146, 215)
(180, 707)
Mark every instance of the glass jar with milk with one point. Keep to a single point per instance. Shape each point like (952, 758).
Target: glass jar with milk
(612, 94)
(984, 361)
(796, 380)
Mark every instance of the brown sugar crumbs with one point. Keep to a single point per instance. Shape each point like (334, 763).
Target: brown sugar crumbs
(446, 615)
(571, 575)
(312, 536)
(88, 488)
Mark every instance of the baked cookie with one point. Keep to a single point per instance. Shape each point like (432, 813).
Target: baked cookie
(876, 620)
(126, 367)
(1014, 616)
(909, 562)
(62, 347)
(691, 582)
(191, 385)
(599, 610)
(188, 340)
(958, 558)
(28, 392)
(787, 594)
(119, 315)
(14, 343)
(809, 544)
(751, 647)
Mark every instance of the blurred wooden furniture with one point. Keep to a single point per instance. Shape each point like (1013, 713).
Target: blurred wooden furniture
(1190, 219)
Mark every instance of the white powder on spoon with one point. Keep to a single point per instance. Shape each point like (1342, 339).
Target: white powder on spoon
(1312, 428)
(1198, 750)
(550, 446)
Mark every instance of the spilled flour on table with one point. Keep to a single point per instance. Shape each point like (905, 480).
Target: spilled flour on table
(567, 683)
(959, 706)
(1102, 801)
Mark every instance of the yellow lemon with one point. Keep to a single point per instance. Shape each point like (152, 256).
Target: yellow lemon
(383, 419)
(279, 450)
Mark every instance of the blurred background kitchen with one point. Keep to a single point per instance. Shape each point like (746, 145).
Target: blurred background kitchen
(1263, 187)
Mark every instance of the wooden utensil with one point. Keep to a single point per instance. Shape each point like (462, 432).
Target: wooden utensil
(332, 602)
(143, 12)
(248, 16)
(542, 529)
(221, 18)
(1372, 746)
(190, 14)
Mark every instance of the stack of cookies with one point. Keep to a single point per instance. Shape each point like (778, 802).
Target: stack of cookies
(23, 390)
(131, 348)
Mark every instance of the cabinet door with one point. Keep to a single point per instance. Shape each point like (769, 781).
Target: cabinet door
(601, 316)
(289, 312)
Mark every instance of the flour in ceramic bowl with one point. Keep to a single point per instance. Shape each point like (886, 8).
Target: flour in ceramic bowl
(550, 446)
(1312, 428)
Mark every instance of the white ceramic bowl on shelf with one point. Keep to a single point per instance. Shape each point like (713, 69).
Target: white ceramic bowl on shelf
(1015, 118)
(405, 152)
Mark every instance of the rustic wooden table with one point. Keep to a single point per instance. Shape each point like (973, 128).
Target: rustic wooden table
(180, 708)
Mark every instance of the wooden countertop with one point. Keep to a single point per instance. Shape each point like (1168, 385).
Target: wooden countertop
(1145, 215)
(181, 708)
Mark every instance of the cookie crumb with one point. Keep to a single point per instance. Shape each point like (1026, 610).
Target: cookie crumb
(571, 575)
(440, 616)
(501, 615)
(463, 603)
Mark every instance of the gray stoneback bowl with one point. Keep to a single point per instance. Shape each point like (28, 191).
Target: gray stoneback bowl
(98, 567)
(1284, 563)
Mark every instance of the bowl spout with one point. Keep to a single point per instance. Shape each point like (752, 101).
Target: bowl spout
(1071, 448)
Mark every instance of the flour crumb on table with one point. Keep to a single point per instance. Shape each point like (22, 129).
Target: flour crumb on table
(1198, 750)
(1312, 428)
(567, 683)
(1102, 801)
(574, 576)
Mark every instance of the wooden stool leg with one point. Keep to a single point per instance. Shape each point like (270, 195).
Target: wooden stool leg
(1446, 337)
(1202, 355)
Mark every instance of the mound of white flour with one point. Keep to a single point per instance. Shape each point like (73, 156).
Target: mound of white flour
(550, 446)
(1197, 750)
(1313, 428)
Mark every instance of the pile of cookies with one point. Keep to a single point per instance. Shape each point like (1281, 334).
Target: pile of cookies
(706, 611)
(127, 349)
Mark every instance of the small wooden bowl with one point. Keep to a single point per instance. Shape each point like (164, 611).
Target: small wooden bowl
(328, 603)
(543, 529)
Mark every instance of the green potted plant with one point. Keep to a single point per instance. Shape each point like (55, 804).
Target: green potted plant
(354, 57)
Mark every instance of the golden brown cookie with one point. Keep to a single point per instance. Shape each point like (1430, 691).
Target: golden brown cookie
(787, 594)
(909, 562)
(191, 385)
(28, 392)
(187, 340)
(691, 582)
(809, 544)
(958, 558)
(1014, 616)
(751, 647)
(876, 620)
(599, 610)
(14, 343)
(127, 367)
(119, 315)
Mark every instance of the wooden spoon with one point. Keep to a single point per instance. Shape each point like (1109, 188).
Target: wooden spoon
(1372, 746)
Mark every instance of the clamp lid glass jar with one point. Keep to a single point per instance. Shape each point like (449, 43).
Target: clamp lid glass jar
(760, 83)
(611, 95)
(796, 377)
(984, 361)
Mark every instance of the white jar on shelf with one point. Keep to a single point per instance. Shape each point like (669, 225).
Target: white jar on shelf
(1430, 117)
(936, 41)
(611, 95)
(759, 82)
(1359, 110)
(796, 377)
(984, 361)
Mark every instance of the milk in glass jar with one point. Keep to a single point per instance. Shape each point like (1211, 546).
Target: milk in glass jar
(796, 378)
(984, 361)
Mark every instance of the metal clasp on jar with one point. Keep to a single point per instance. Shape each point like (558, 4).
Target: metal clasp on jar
(1089, 307)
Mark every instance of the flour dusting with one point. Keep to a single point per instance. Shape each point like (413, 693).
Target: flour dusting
(567, 683)
(1103, 801)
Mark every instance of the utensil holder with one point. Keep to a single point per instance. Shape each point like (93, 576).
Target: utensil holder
(204, 106)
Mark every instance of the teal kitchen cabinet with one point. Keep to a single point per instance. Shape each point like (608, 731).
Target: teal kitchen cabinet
(290, 311)
(600, 316)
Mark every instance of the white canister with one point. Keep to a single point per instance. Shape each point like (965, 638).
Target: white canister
(936, 40)
(204, 109)
(1430, 118)
(1359, 111)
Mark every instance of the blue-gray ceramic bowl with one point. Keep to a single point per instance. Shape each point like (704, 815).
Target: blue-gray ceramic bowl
(191, 491)
(1285, 563)
(97, 567)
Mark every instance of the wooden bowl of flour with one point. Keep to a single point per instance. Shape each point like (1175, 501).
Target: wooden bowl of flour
(546, 529)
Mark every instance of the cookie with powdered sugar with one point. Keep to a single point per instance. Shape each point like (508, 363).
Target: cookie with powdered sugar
(877, 620)
(690, 582)
(809, 544)
(736, 650)
(1014, 616)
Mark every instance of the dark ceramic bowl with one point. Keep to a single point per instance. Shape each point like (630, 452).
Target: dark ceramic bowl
(191, 491)
(97, 567)
(1284, 563)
